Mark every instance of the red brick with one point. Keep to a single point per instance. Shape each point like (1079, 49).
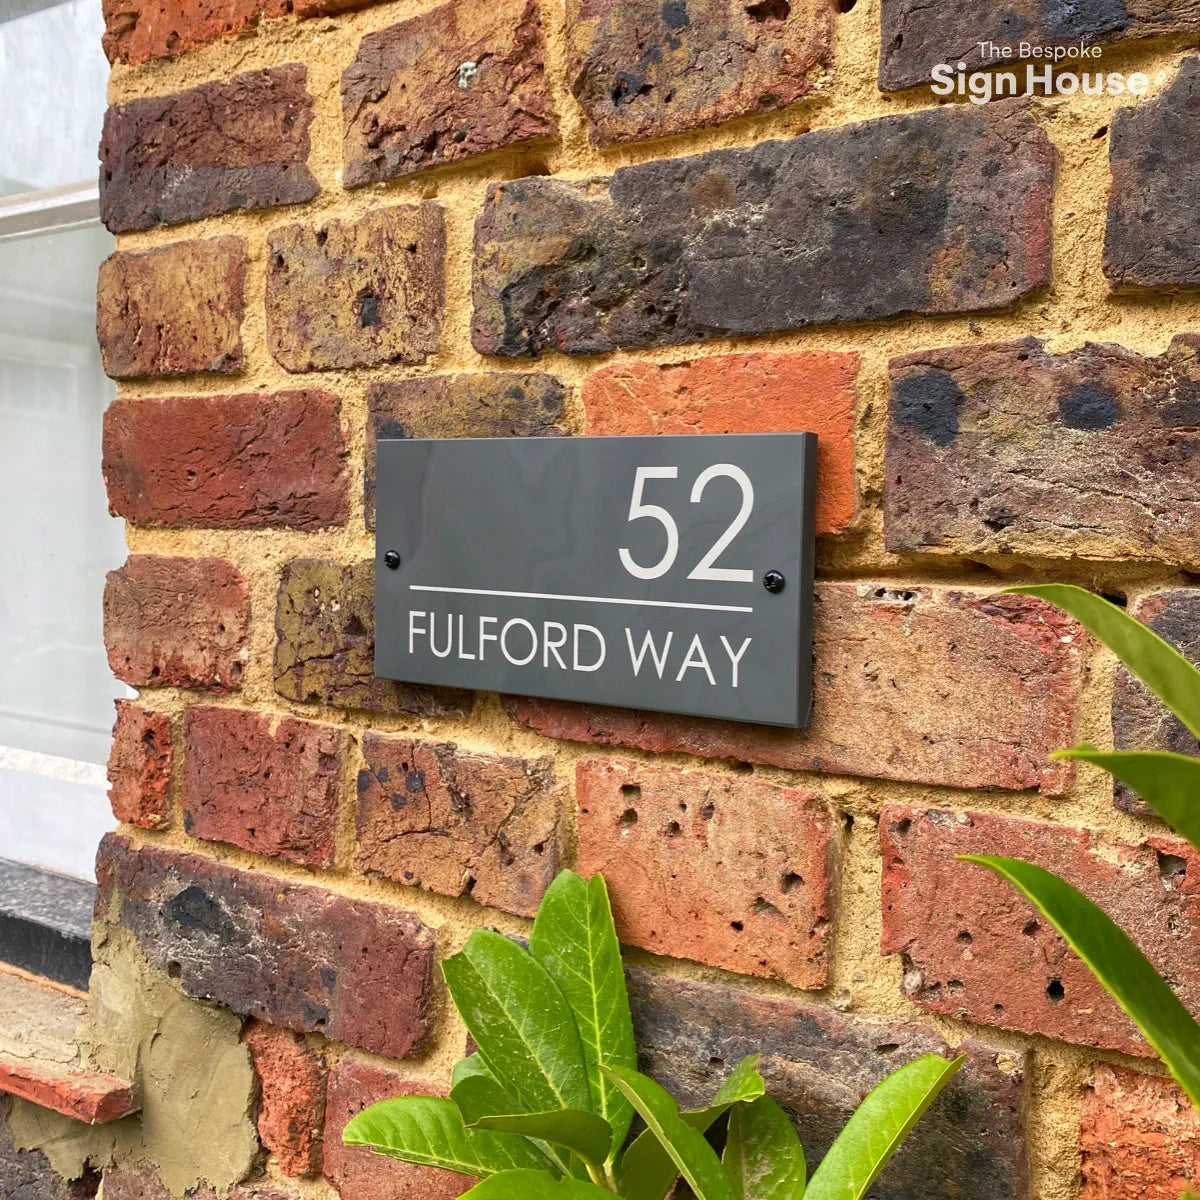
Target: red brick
(177, 622)
(227, 462)
(174, 310)
(644, 69)
(361, 1174)
(268, 787)
(88, 1096)
(295, 955)
(459, 823)
(974, 948)
(724, 870)
(140, 766)
(357, 293)
(291, 1112)
(226, 145)
(463, 79)
(741, 393)
(1140, 1137)
(931, 685)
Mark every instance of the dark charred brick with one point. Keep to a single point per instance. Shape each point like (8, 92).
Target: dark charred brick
(227, 462)
(1139, 720)
(325, 644)
(818, 1065)
(140, 766)
(975, 949)
(1007, 448)
(1154, 154)
(645, 69)
(918, 36)
(290, 954)
(357, 293)
(173, 310)
(941, 211)
(269, 788)
(231, 144)
(489, 404)
(463, 79)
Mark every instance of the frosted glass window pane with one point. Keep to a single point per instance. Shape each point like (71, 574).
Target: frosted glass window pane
(53, 76)
(56, 537)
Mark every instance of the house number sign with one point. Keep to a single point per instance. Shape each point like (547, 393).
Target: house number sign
(664, 573)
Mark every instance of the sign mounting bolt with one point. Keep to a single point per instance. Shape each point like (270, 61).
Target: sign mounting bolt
(774, 581)
(391, 559)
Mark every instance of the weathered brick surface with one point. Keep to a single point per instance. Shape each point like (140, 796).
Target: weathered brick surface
(837, 225)
(449, 84)
(933, 685)
(325, 644)
(227, 462)
(1139, 720)
(177, 622)
(357, 293)
(644, 69)
(144, 1183)
(459, 823)
(1155, 158)
(140, 766)
(230, 144)
(291, 1110)
(1139, 1136)
(916, 36)
(293, 955)
(28, 1175)
(1006, 448)
(486, 404)
(725, 870)
(268, 787)
(741, 393)
(819, 1065)
(359, 1174)
(974, 948)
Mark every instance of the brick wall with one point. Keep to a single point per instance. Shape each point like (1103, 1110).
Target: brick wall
(518, 217)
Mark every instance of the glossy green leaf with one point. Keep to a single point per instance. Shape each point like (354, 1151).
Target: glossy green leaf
(477, 1093)
(1113, 958)
(575, 940)
(520, 1021)
(1169, 783)
(575, 1129)
(875, 1132)
(694, 1158)
(649, 1171)
(1155, 662)
(535, 1185)
(763, 1155)
(430, 1132)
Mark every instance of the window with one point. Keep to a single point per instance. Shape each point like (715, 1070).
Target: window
(56, 537)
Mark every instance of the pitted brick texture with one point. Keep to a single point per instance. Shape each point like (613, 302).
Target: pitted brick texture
(727, 871)
(241, 143)
(645, 69)
(932, 685)
(463, 79)
(140, 766)
(291, 1110)
(1008, 449)
(433, 816)
(943, 211)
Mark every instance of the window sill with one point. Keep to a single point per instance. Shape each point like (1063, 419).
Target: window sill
(45, 924)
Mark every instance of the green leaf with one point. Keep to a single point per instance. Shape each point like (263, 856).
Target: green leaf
(1113, 958)
(534, 1185)
(694, 1158)
(429, 1131)
(1169, 783)
(575, 1129)
(1155, 662)
(875, 1132)
(763, 1155)
(520, 1021)
(575, 940)
(476, 1092)
(648, 1170)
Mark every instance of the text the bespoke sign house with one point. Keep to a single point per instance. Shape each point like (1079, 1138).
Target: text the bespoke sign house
(664, 573)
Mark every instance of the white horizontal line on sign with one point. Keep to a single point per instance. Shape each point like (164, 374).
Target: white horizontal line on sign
(423, 587)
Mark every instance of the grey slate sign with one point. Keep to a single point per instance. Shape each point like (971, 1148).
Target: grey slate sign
(666, 573)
